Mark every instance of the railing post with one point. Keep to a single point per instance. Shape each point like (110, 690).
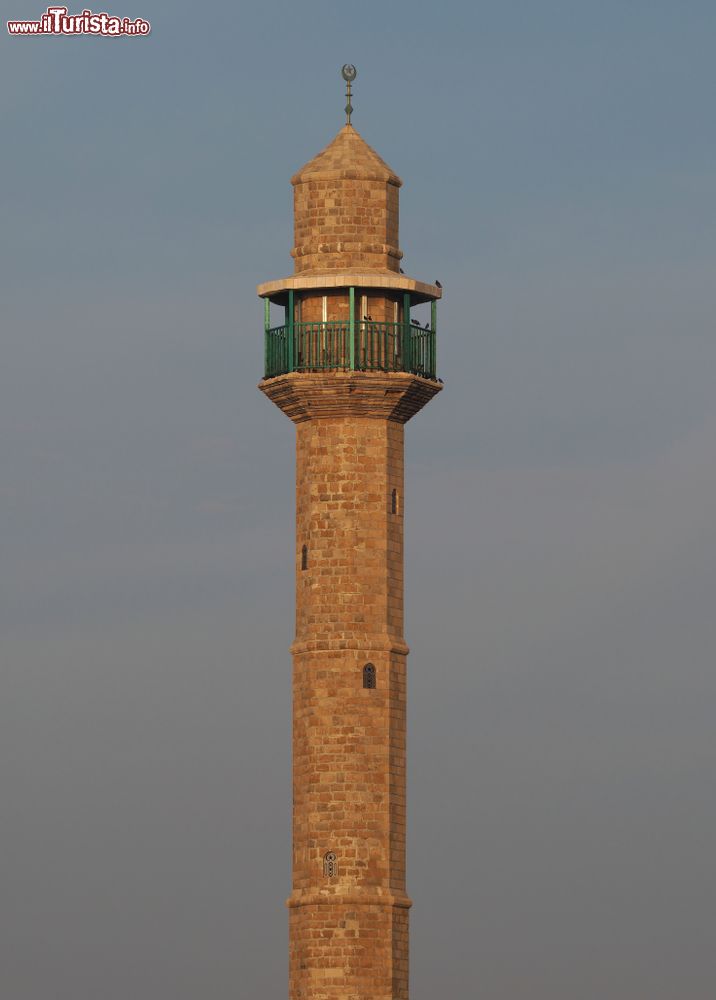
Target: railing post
(267, 327)
(289, 329)
(407, 353)
(351, 328)
(434, 338)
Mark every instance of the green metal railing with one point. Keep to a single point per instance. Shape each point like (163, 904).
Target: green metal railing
(363, 346)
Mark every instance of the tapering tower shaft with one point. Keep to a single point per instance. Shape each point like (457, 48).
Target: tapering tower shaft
(348, 907)
(349, 738)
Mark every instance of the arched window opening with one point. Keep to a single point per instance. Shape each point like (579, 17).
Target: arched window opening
(304, 557)
(330, 865)
(369, 676)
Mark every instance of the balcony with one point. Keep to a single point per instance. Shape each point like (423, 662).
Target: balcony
(343, 346)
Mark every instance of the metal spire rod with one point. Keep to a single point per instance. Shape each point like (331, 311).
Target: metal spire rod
(349, 73)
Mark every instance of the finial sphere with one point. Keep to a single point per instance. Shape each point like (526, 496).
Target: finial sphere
(349, 73)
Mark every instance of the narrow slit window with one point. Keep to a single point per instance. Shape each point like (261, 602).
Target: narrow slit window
(394, 502)
(330, 865)
(369, 676)
(304, 557)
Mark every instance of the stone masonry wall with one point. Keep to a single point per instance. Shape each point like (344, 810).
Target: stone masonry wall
(379, 306)
(349, 930)
(346, 223)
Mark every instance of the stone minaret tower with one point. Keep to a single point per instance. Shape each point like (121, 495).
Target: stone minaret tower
(350, 368)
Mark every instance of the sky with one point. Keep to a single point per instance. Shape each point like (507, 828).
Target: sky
(558, 164)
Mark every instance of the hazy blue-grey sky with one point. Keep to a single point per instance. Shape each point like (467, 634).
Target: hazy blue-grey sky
(559, 162)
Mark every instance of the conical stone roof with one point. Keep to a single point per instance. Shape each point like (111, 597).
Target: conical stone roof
(347, 156)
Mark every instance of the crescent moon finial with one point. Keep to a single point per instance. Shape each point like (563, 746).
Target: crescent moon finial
(349, 73)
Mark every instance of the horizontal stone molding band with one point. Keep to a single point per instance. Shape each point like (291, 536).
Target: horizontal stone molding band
(306, 176)
(311, 646)
(310, 249)
(348, 899)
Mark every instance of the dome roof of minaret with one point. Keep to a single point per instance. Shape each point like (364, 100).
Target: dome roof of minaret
(349, 156)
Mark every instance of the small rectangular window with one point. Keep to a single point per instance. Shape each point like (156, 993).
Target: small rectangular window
(369, 676)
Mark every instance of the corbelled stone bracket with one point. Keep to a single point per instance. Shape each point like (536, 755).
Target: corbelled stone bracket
(309, 395)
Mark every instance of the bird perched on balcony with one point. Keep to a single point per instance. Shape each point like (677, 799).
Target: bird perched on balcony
(370, 319)
(401, 271)
(438, 284)
(427, 326)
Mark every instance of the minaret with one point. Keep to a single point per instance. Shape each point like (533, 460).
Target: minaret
(350, 368)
